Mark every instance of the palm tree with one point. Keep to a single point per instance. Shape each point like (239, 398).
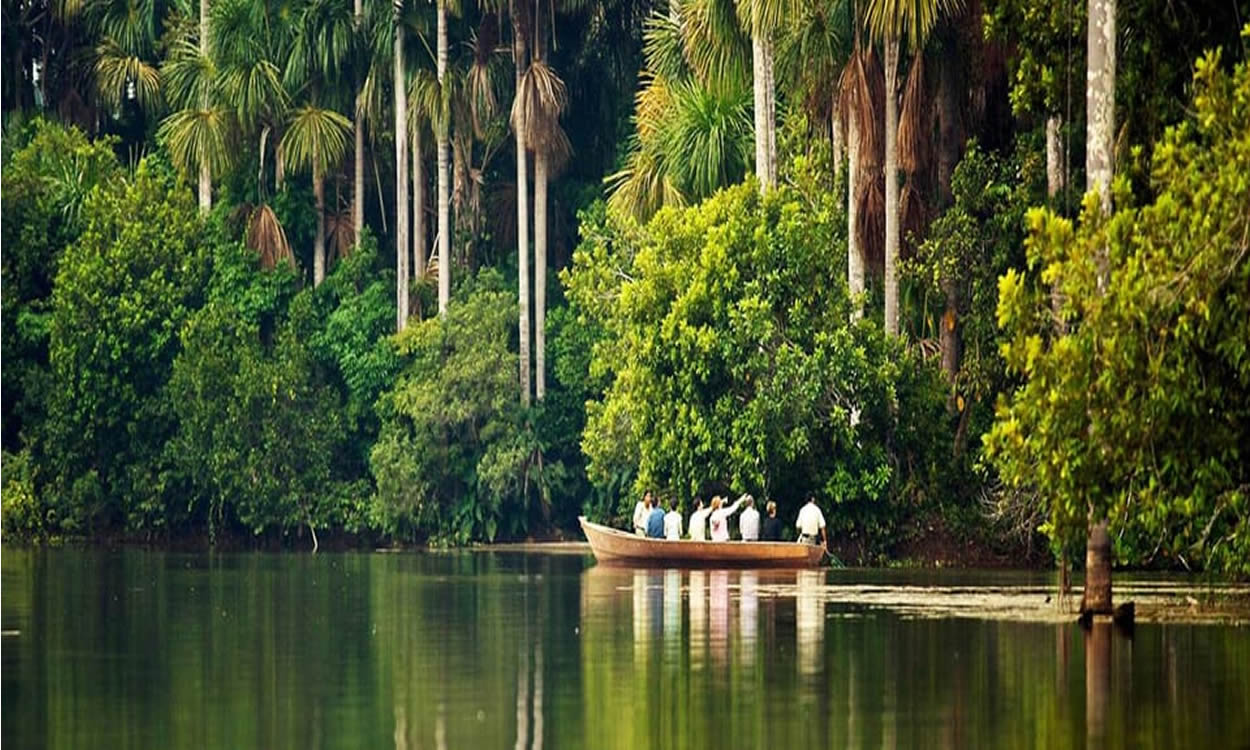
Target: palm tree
(358, 153)
(401, 174)
(892, 21)
(315, 137)
(763, 18)
(444, 177)
(1099, 170)
(520, 63)
(199, 133)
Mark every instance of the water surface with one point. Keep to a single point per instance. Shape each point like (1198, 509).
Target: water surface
(483, 650)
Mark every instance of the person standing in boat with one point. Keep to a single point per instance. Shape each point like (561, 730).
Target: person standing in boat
(811, 523)
(698, 521)
(655, 521)
(641, 510)
(718, 521)
(749, 522)
(672, 522)
(772, 524)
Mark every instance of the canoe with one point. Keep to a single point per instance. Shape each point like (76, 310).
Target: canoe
(612, 545)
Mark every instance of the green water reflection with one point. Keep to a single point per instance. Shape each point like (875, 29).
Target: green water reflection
(138, 649)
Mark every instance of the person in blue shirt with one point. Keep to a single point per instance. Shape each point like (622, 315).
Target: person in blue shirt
(655, 521)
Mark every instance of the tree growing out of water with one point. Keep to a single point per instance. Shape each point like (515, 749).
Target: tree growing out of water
(1137, 411)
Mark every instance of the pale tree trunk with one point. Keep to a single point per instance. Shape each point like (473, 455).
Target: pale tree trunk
(760, 111)
(401, 182)
(444, 178)
(1099, 167)
(206, 175)
(540, 273)
(522, 225)
(419, 250)
(279, 160)
(854, 260)
(838, 142)
(891, 185)
(1056, 174)
(319, 244)
(770, 112)
(358, 166)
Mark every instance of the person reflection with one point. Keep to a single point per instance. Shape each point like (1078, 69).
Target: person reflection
(641, 622)
(809, 618)
(698, 619)
(748, 615)
(1097, 681)
(720, 616)
(672, 613)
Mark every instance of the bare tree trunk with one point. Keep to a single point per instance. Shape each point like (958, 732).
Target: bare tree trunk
(522, 222)
(1056, 174)
(1099, 169)
(540, 273)
(419, 250)
(444, 178)
(401, 181)
(891, 185)
(358, 165)
(854, 259)
(770, 111)
(319, 244)
(838, 144)
(760, 110)
(206, 174)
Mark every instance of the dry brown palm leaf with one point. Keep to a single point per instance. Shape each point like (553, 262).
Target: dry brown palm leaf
(914, 133)
(870, 203)
(266, 236)
(540, 100)
(913, 217)
(340, 233)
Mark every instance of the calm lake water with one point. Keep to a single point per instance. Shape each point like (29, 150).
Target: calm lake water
(484, 650)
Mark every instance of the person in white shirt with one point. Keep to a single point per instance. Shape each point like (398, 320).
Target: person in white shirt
(672, 522)
(749, 522)
(641, 510)
(698, 521)
(718, 522)
(811, 523)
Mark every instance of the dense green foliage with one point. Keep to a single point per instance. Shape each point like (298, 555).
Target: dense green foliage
(230, 366)
(1137, 407)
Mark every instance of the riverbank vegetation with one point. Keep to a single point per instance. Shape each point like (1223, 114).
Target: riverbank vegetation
(447, 273)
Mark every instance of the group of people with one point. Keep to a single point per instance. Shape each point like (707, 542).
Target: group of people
(711, 522)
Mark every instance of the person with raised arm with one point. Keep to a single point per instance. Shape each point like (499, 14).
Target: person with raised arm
(719, 519)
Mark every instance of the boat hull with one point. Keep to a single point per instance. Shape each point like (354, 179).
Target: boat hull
(615, 546)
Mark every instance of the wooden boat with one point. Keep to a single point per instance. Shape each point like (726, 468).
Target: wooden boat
(612, 545)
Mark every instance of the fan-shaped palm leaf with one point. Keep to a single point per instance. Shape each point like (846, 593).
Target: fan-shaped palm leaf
(266, 236)
(116, 71)
(315, 137)
(913, 126)
(653, 110)
(131, 24)
(256, 91)
(198, 137)
(664, 48)
(910, 20)
(716, 47)
(539, 102)
(644, 186)
(189, 75)
(712, 138)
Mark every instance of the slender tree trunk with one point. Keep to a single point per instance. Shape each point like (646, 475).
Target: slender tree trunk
(401, 182)
(279, 160)
(891, 185)
(770, 111)
(1099, 168)
(522, 222)
(358, 165)
(760, 109)
(838, 142)
(444, 177)
(206, 175)
(319, 244)
(1056, 174)
(419, 250)
(854, 259)
(540, 273)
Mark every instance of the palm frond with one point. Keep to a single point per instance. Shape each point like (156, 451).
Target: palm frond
(266, 236)
(315, 138)
(117, 71)
(716, 47)
(540, 100)
(643, 187)
(197, 137)
(663, 46)
(910, 20)
(711, 139)
(189, 75)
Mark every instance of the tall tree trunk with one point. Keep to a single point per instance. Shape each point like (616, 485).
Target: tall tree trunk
(540, 273)
(838, 142)
(770, 112)
(1099, 168)
(522, 219)
(444, 176)
(891, 185)
(419, 250)
(206, 175)
(950, 144)
(854, 259)
(401, 181)
(319, 243)
(1056, 173)
(759, 110)
(358, 165)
